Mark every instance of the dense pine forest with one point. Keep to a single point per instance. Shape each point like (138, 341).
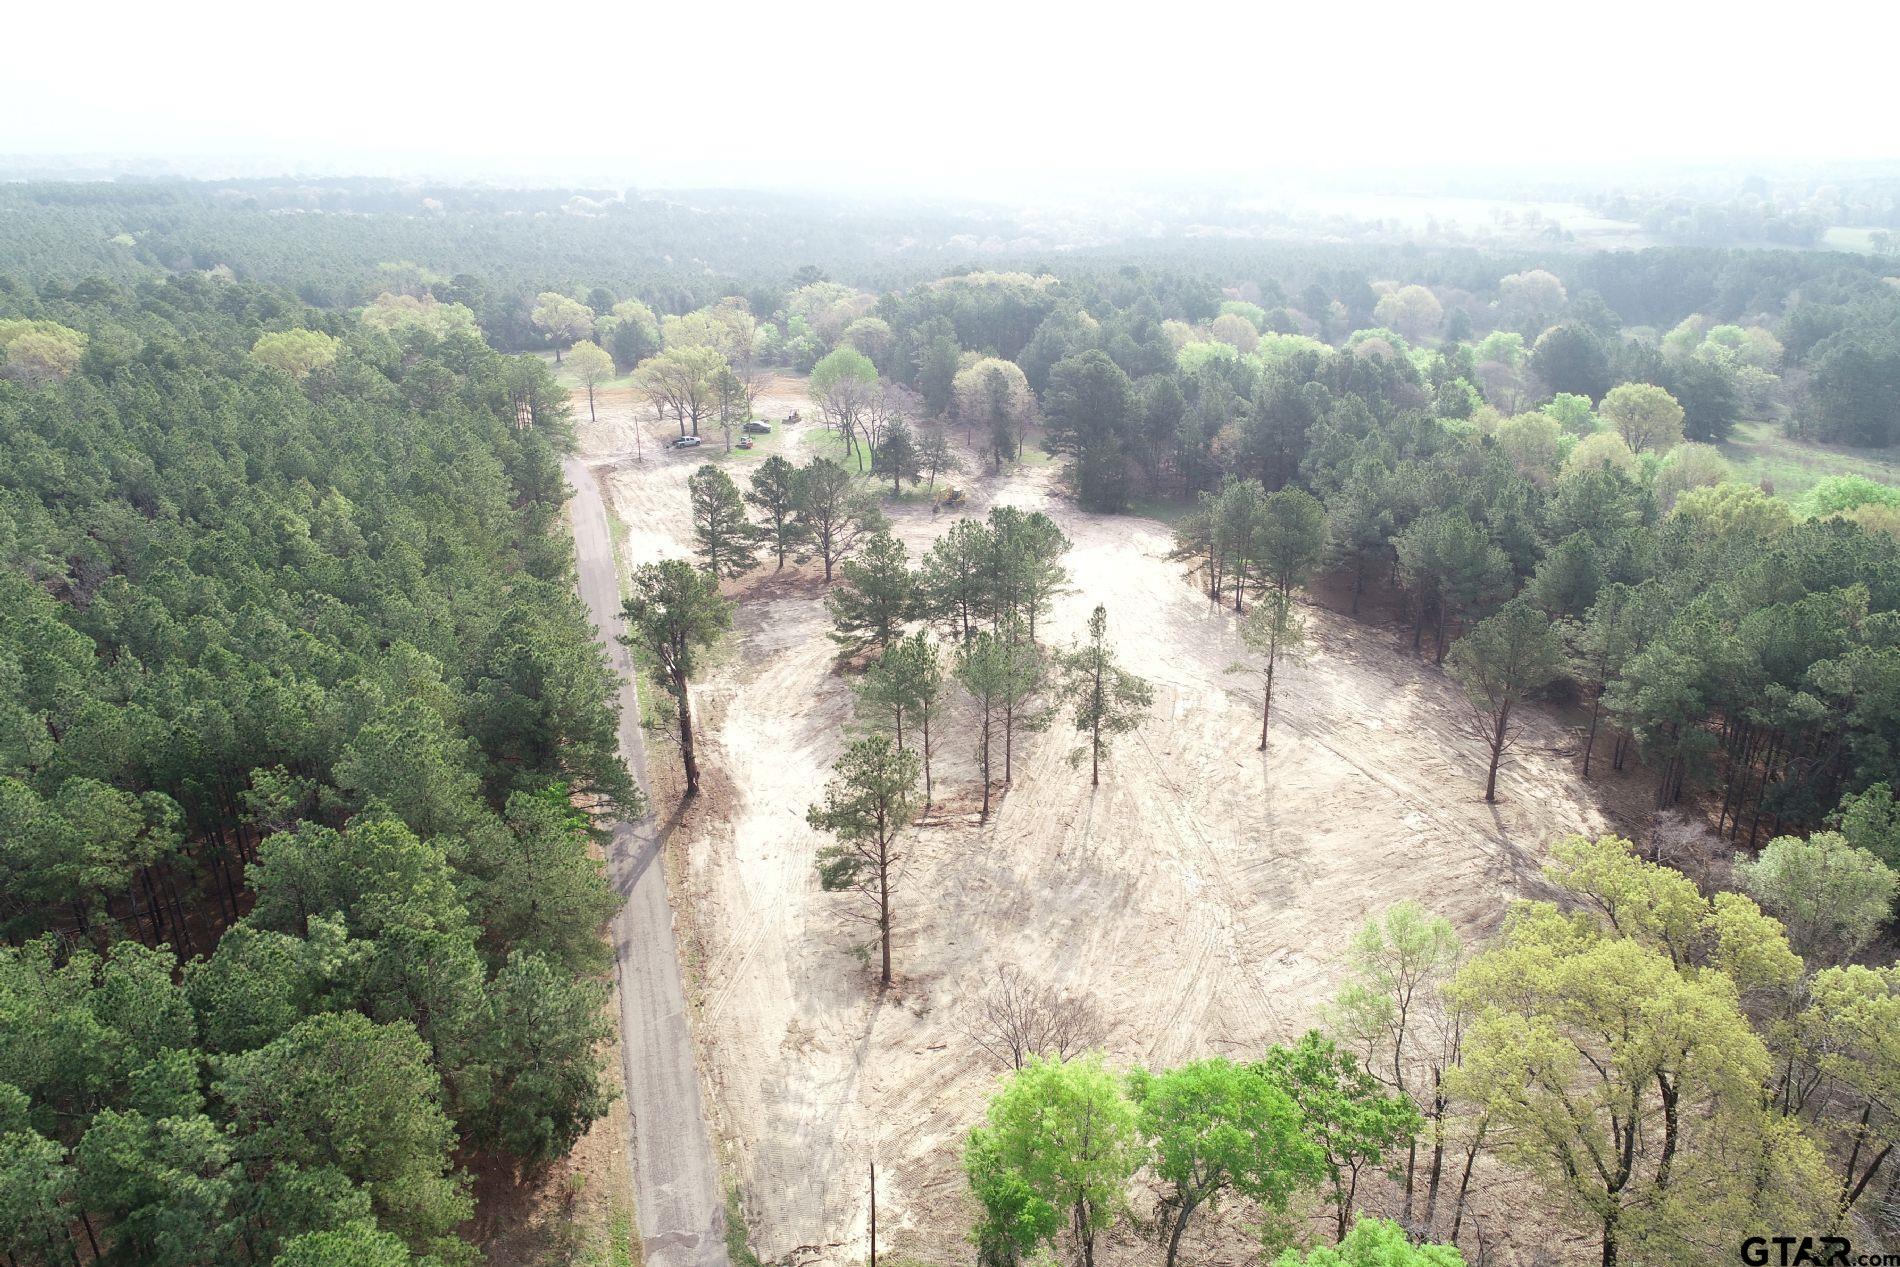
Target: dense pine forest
(301, 922)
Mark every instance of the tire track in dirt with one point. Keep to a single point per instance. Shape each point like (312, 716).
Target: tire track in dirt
(1205, 897)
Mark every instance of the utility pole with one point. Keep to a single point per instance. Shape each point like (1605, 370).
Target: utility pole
(873, 1214)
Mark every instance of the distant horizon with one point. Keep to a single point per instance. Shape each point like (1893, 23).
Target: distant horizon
(1520, 181)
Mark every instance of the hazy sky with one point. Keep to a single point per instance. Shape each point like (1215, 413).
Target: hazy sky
(947, 96)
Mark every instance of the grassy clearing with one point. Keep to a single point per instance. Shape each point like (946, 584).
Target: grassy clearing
(1842, 237)
(1035, 455)
(1763, 455)
(1167, 509)
(828, 442)
(762, 448)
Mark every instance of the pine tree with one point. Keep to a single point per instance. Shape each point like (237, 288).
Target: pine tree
(871, 798)
(985, 668)
(832, 513)
(1504, 659)
(674, 612)
(906, 684)
(774, 493)
(1105, 700)
(726, 542)
(897, 456)
(1276, 630)
(876, 595)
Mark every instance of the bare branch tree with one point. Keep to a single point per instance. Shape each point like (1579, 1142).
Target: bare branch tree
(1020, 1017)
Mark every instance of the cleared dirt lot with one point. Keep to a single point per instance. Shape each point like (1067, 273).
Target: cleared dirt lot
(1204, 894)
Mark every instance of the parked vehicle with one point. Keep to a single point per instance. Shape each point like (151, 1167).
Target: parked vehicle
(758, 428)
(687, 442)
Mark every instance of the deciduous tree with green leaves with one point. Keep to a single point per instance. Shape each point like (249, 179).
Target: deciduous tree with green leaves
(1832, 897)
(1870, 820)
(1374, 1243)
(1058, 1148)
(298, 353)
(1214, 1127)
(681, 379)
(1346, 1114)
(1394, 1012)
(1614, 1057)
(1647, 417)
(843, 386)
(561, 319)
(1849, 1035)
(993, 394)
(592, 366)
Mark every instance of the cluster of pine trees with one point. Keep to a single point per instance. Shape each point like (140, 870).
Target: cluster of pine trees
(296, 701)
(965, 616)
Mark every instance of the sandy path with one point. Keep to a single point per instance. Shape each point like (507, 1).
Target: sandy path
(1204, 894)
(678, 1196)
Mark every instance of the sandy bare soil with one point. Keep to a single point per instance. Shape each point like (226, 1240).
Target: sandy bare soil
(1205, 894)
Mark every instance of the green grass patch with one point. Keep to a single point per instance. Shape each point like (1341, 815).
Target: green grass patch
(1762, 454)
(1035, 455)
(613, 1247)
(762, 448)
(1168, 510)
(738, 1237)
(828, 442)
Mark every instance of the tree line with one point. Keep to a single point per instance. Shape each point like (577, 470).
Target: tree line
(1671, 589)
(301, 922)
(814, 271)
